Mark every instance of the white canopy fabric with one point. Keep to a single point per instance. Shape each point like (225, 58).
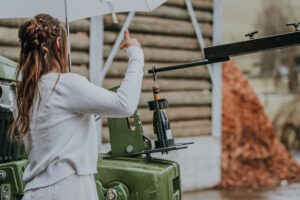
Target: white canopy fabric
(76, 9)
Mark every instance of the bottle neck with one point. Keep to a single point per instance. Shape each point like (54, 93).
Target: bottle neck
(156, 96)
(156, 93)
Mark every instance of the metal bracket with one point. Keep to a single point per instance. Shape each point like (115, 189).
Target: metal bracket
(5, 191)
(150, 151)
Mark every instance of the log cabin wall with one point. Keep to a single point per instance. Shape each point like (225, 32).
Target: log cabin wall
(167, 37)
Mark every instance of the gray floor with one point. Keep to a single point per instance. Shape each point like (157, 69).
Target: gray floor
(287, 192)
(283, 192)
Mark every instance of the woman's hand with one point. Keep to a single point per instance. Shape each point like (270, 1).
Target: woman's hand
(127, 42)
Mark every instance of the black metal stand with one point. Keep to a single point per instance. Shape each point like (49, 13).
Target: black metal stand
(221, 53)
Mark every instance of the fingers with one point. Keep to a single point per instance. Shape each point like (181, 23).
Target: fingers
(123, 45)
(127, 41)
(126, 35)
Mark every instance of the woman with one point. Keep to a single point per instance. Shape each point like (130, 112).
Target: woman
(55, 111)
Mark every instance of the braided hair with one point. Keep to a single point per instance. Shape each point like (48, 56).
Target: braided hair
(43, 49)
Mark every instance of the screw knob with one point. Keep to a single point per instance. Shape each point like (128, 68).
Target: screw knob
(111, 194)
(251, 35)
(2, 175)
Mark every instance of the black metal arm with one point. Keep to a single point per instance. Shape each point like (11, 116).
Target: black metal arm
(223, 52)
(186, 65)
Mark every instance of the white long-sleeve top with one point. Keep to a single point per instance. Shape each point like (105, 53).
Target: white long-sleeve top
(62, 140)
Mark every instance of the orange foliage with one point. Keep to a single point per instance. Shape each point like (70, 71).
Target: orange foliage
(252, 156)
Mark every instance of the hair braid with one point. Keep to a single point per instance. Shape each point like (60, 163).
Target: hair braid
(39, 55)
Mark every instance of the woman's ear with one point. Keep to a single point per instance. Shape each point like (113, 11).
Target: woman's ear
(58, 42)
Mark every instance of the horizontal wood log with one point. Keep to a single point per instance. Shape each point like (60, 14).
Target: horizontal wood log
(82, 70)
(175, 114)
(159, 26)
(12, 23)
(80, 41)
(118, 69)
(160, 55)
(184, 128)
(179, 129)
(13, 53)
(9, 36)
(10, 52)
(82, 25)
(172, 12)
(159, 41)
(181, 98)
(165, 84)
(197, 4)
(79, 57)
(76, 26)
(178, 113)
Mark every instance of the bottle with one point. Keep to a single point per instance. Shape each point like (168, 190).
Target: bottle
(161, 125)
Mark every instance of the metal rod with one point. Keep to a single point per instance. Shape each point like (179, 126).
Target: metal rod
(186, 65)
(68, 35)
(115, 48)
(216, 112)
(198, 32)
(96, 57)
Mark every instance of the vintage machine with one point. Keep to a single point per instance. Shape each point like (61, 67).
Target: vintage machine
(12, 155)
(128, 171)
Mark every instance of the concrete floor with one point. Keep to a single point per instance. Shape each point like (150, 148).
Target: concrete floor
(286, 192)
(283, 192)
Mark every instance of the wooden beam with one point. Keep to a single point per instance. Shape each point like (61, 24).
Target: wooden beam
(166, 84)
(160, 55)
(12, 23)
(78, 57)
(159, 26)
(159, 41)
(76, 26)
(82, 70)
(9, 36)
(178, 13)
(179, 98)
(175, 114)
(197, 4)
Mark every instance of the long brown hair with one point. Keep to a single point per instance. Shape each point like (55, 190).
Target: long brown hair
(43, 49)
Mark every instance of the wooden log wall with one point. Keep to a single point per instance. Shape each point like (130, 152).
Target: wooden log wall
(167, 37)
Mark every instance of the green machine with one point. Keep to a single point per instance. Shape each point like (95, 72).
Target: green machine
(127, 172)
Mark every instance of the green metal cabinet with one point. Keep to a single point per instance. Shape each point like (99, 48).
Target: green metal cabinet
(145, 179)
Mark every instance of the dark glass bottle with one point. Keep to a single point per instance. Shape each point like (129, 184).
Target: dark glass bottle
(161, 124)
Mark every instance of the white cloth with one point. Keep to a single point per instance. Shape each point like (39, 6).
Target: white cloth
(71, 188)
(62, 140)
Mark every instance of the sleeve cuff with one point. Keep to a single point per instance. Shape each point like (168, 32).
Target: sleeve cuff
(136, 53)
